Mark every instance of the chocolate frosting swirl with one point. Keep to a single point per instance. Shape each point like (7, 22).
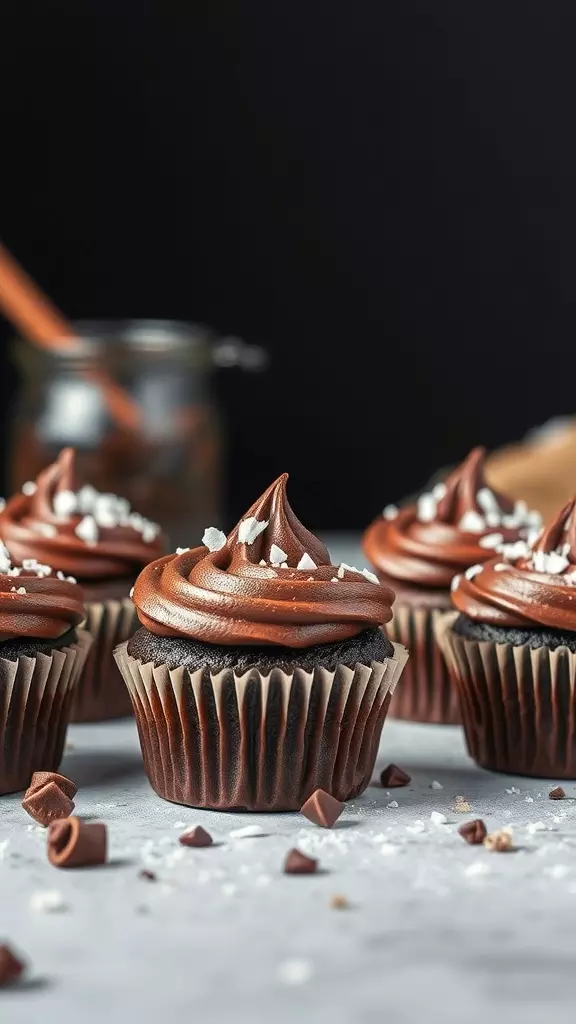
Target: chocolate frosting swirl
(526, 586)
(446, 531)
(41, 526)
(228, 597)
(36, 604)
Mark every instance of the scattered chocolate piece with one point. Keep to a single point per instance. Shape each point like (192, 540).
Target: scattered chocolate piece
(461, 805)
(498, 842)
(47, 803)
(557, 793)
(150, 876)
(66, 785)
(196, 836)
(10, 966)
(73, 843)
(338, 902)
(297, 863)
(392, 776)
(322, 809)
(474, 832)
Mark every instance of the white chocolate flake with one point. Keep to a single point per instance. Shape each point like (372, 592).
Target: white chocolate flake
(551, 562)
(64, 504)
(487, 500)
(182, 551)
(277, 555)
(45, 529)
(306, 562)
(390, 512)
(473, 571)
(472, 522)
(439, 491)
(29, 488)
(250, 528)
(426, 508)
(214, 539)
(87, 530)
(491, 540)
(455, 583)
(370, 576)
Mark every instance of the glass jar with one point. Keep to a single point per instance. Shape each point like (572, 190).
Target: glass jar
(136, 401)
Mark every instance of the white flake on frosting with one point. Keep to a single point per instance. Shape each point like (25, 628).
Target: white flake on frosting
(64, 504)
(213, 538)
(491, 540)
(370, 576)
(87, 530)
(306, 562)
(277, 556)
(472, 522)
(29, 488)
(390, 512)
(473, 571)
(551, 562)
(250, 528)
(426, 508)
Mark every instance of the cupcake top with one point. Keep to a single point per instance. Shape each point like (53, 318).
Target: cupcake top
(526, 585)
(36, 602)
(78, 530)
(269, 582)
(458, 524)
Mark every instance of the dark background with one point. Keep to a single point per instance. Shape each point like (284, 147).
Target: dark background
(383, 195)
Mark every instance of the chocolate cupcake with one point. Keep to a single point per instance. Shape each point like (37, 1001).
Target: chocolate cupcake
(511, 653)
(260, 673)
(42, 654)
(94, 538)
(417, 550)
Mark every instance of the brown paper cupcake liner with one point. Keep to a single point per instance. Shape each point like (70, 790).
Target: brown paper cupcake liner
(518, 704)
(427, 693)
(101, 693)
(259, 742)
(35, 702)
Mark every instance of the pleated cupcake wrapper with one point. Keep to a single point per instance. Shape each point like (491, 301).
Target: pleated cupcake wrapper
(101, 694)
(427, 693)
(35, 702)
(259, 742)
(518, 705)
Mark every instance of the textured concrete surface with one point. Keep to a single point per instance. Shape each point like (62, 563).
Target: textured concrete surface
(435, 927)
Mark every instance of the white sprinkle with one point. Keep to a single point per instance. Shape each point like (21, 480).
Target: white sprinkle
(47, 902)
(511, 522)
(64, 504)
(136, 521)
(473, 571)
(306, 562)
(131, 595)
(487, 500)
(86, 498)
(549, 562)
(277, 555)
(515, 551)
(491, 540)
(500, 566)
(334, 579)
(439, 491)
(437, 818)
(514, 789)
(533, 518)
(29, 488)
(529, 799)
(71, 579)
(150, 532)
(87, 530)
(521, 509)
(390, 512)
(477, 867)
(21, 590)
(60, 575)
(250, 528)
(393, 805)
(436, 785)
(493, 519)
(45, 529)
(426, 508)
(370, 576)
(472, 522)
(455, 582)
(283, 565)
(182, 551)
(295, 972)
(536, 826)
(247, 832)
(214, 539)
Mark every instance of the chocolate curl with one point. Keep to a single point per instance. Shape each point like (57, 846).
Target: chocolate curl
(47, 803)
(73, 843)
(66, 785)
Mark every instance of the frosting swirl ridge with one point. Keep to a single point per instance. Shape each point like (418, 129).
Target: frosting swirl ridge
(35, 603)
(269, 582)
(458, 524)
(527, 586)
(78, 530)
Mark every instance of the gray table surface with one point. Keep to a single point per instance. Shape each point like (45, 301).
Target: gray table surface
(434, 927)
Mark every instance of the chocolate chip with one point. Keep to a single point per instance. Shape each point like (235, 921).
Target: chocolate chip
(322, 809)
(66, 785)
(73, 843)
(392, 776)
(47, 803)
(498, 842)
(297, 863)
(474, 832)
(196, 836)
(10, 966)
(557, 793)
(148, 875)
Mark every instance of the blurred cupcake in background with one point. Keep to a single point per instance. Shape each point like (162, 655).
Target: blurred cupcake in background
(42, 655)
(511, 652)
(417, 550)
(261, 672)
(95, 539)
